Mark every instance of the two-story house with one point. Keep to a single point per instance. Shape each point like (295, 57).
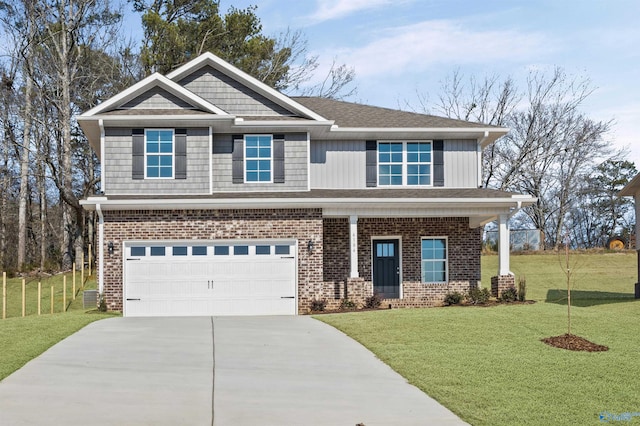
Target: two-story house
(222, 196)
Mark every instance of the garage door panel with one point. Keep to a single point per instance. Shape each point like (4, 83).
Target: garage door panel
(210, 284)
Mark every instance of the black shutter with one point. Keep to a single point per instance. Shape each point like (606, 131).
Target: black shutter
(237, 157)
(137, 150)
(278, 158)
(372, 163)
(438, 163)
(181, 153)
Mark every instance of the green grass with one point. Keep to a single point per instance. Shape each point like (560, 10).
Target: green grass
(14, 294)
(23, 339)
(488, 364)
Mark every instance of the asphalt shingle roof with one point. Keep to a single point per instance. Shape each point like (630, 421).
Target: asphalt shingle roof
(349, 114)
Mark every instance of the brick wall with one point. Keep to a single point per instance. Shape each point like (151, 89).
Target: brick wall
(464, 246)
(300, 224)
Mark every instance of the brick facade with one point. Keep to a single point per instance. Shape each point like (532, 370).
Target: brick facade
(323, 273)
(500, 283)
(300, 224)
(464, 246)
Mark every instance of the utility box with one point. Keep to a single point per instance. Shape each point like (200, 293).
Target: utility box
(90, 299)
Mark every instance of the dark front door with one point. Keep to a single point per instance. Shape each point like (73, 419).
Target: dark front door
(386, 268)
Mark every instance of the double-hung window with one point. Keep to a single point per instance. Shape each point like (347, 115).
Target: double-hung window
(404, 163)
(258, 158)
(159, 153)
(434, 260)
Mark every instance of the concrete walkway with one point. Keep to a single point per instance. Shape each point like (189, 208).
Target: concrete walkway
(160, 371)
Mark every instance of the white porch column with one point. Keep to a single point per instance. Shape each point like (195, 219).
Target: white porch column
(353, 245)
(503, 245)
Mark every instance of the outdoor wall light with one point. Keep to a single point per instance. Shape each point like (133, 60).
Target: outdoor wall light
(110, 248)
(310, 245)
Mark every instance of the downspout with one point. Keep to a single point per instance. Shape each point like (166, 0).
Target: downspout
(100, 249)
(102, 149)
(479, 148)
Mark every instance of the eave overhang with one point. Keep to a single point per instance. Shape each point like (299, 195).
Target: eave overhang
(479, 210)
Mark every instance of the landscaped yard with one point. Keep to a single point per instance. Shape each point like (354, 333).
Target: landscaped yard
(488, 364)
(22, 339)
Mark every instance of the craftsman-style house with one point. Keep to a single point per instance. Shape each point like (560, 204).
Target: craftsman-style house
(222, 196)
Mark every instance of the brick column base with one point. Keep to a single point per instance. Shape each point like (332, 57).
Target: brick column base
(358, 290)
(500, 283)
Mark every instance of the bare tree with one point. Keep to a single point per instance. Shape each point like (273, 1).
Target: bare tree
(552, 145)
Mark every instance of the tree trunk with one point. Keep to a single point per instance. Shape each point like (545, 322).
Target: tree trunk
(24, 174)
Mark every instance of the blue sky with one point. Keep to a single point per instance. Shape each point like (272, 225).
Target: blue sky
(401, 47)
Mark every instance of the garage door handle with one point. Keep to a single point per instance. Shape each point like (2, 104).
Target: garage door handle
(133, 259)
(287, 257)
(132, 299)
(288, 297)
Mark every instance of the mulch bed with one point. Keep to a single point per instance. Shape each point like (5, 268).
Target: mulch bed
(572, 342)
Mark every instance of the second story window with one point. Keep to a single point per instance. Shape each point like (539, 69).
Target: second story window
(159, 153)
(404, 163)
(258, 158)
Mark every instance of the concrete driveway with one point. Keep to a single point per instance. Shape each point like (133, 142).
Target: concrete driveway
(204, 371)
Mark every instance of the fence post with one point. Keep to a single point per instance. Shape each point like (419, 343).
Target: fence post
(24, 298)
(4, 295)
(39, 297)
(51, 299)
(64, 293)
(74, 281)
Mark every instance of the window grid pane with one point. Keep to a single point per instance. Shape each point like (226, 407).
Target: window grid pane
(390, 163)
(258, 152)
(434, 260)
(418, 163)
(159, 153)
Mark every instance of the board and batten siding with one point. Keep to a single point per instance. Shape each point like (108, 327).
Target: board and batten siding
(118, 164)
(461, 163)
(156, 98)
(229, 95)
(295, 166)
(342, 164)
(338, 164)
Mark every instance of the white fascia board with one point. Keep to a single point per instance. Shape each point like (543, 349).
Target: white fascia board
(487, 136)
(632, 188)
(280, 123)
(253, 83)
(249, 203)
(144, 85)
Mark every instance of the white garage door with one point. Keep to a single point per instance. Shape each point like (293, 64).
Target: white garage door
(210, 278)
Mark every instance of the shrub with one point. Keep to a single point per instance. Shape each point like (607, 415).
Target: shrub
(509, 295)
(102, 305)
(347, 305)
(373, 302)
(478, 296)
(318, 305)
(522, 288)
(453, 298)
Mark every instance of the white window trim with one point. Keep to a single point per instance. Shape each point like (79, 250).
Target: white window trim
(173, 154)
(258, 158)
(404, 164)
(446, 259)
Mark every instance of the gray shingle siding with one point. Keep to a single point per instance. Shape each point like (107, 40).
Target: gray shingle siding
(118, 164)
(295, 166)
(156, 98)
(228, 94)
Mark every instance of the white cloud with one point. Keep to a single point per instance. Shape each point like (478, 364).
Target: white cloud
(336, 9)
(423, 45)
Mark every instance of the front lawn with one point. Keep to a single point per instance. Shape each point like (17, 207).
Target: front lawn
(22, 339)
(488, 364)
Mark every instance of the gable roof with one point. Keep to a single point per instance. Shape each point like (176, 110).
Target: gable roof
(253, 83)
(143, 86)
